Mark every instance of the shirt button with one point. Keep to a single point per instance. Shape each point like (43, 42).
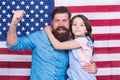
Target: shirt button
(55, 71)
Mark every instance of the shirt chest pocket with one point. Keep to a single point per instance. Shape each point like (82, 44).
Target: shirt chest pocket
(48, 48)
(47, 52)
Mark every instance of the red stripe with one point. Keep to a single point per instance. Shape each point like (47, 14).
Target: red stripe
(109, 22)
(104, 77)
(107, 36)
(14, 78)
(109, 50)
(97, 50)
(7, 64)
(108, 77)
(100, 64)
(3, 51)
(107, 64)
(22, 52)
(96, 8)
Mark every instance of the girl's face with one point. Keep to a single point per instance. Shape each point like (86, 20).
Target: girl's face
(78, 27)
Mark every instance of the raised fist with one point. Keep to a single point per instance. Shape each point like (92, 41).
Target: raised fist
(18, 15)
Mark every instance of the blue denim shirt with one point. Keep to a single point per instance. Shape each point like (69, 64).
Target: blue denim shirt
(47, 63)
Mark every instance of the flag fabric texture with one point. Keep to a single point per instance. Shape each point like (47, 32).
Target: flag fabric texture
(103, 15)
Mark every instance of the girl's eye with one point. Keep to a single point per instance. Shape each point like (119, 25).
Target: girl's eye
(74, 24)
(82, 25)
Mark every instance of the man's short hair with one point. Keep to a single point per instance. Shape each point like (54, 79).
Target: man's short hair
(60, 9)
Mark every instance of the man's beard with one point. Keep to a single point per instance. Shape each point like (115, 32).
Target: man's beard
(61, 36)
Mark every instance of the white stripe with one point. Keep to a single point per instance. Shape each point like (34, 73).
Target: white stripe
(27, 58)
(107, 43)
(108, 71)
(106, 57)
(15, 58)
(105, 29)
(100, 15)
(14, 71)
(26, 72)
(85, 2)
(97, 43)
(2, 44)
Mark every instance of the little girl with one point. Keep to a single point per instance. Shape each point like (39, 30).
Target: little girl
(80, 48)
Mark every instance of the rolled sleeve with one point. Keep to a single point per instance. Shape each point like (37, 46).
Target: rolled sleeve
(82, 41)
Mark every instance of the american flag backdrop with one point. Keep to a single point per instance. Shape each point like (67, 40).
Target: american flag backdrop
(103, 15)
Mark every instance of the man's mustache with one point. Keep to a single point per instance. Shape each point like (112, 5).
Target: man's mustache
(61, 28)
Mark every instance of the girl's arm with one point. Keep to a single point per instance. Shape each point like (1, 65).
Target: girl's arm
(61, 45)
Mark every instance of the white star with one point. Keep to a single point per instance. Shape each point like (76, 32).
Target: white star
(32, 20)
(46, 7)
(8, 24)
(41, 19)
(13, 11)
(46, 24)
(18, 24)
(8, 15)
(18, 32)
(32, 3)
(0, 33)
(22, 3)
(27, 7)
(23, 20)
(41, 2)
(13, 2)
(4, 20)
(8, 7)
(4, 28)
(0, 16)
(4, 11)
(36, 24)
(3, 3)
(46, 15)
(23, 28)
(32, 28)
(0, 24)
(27, 32)
(36, 15)
(36, 7)
(41, 28)
(27, 15)
(32, 11)
(17, 7)
(41, 11)
(27, 24)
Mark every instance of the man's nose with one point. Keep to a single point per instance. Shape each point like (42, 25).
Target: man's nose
(61, 23)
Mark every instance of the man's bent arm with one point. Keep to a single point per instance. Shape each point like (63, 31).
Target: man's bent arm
(12, 36)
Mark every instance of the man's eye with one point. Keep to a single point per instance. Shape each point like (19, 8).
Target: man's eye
(56, 20)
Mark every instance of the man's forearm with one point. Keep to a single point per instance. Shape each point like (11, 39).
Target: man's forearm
(12, 36)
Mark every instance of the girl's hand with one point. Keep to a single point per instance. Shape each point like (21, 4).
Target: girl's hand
(48, 29)
(90, 67)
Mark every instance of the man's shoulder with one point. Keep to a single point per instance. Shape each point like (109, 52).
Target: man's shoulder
(39, 35)
(41, 32)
